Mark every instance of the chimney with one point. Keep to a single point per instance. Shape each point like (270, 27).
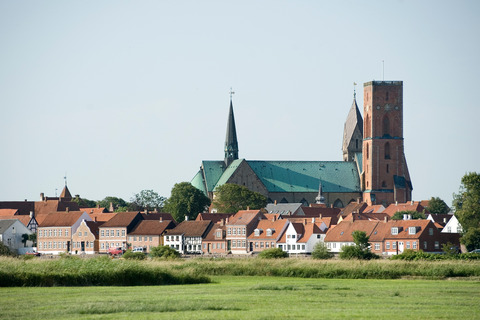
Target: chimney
(358, 200)
(186, 218)
(31, 214)
(412, 202)
(275, 202)
(320, 216)
(222, 222)
(313, 220)
(385, 219)
(274, 218)
(42, 196)
(226, 221)
(444, 220)
(66, 209)
(161, 219)
(248, 207)
(95, 218)
(111, 209)
(146, 211)
(331, 206)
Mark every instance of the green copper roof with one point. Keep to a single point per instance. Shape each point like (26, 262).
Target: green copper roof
(198, 182)
(305, 176)
(229, 171)
(213, 171)
(359, 160)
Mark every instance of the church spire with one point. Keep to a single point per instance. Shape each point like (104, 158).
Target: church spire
(231, 144)
(352, 132)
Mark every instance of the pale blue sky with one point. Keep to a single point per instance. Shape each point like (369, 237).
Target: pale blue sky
(132, 95)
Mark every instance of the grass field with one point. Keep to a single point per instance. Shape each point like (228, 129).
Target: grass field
(256, 297)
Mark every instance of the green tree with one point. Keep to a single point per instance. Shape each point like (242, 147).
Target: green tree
(414, 214)
(84, 203)
(437, 206)
(230, 198)
(320, 251)
(5, 251)
(186, 200)
(147, 199)
(118, 203)
(467, 210)
(24, 239)
(361, 249)
(273, 253)
(33, 237)
(164, 252)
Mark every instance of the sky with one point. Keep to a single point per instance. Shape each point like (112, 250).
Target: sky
(122, 96)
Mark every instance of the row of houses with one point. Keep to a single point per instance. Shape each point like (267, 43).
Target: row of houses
(291, 227)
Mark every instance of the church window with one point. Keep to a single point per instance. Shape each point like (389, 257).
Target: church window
(386, 126)
(338, 204)
(386, 97)
(367, 149)
(388, 168)
(384, 184)
(387, 150)
(356, 143)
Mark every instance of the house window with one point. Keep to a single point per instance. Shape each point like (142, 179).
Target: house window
(377, 246)
(394, 231)
(256, 244)
(223, 245)
(229, 231)
(118, 233)
(261, 244)
(66, 233)
(298, 247)
(102, 233)
(425, 246)
(50, 232)
(107, 233)
(60, 232)
(103, 245)
(267, 245)
(293, 236)
(204, 246)
(430, 231)
(123, 233)
(234, 231)
(151, 238)
(412, 230)
(394, 245)
(145, 238)
(243, 231)
(437, 245)
(112, 233)
(303, 247)
(408, 244)
(387, 245)
(244, 243)
(414, 245)
(135, 238)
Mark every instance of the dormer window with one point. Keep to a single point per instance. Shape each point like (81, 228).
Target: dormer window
(394, 231)
(412, 230)
(257, 232)
(269, 232)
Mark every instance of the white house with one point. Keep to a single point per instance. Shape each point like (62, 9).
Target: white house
(452, 226)
(302, 237)
(11, 232)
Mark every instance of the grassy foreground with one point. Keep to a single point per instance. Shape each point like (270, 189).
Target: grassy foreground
(251, 298)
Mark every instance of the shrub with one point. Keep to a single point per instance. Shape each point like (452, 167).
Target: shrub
(320, 251)
(273, 253)
(5, 251)
(134, 255)
(164, 252)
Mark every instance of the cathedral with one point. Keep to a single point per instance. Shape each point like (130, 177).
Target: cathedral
(373, 168)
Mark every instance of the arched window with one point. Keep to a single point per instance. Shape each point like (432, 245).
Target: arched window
(367, 150)
(386, 126)
(367, 126)
(338, 204)
(387, 150)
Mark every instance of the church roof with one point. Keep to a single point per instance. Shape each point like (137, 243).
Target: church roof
(354, 119)
(286, 176)
(65, 193)
(304, 176)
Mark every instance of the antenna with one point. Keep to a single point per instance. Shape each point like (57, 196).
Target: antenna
(383, 70)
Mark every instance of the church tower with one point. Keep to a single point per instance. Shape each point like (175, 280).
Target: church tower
(231, 144)
(352, 133)
(385, 172)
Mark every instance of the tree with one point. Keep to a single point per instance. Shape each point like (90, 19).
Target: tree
(147, 199)
(320, 251)
(273, 253)
(437, 206)
(361, 249)
(33, 237)
(467, 210)
(164, 252)
(84, 203)
(118, 203)
(230, 198)
(414, 215)
(186, 200)
(24, 239)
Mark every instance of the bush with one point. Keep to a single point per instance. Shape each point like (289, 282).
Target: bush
(356, 252)
(320, 251)
(134, 255)
(164, 252)
(5, 251)
(273, 253)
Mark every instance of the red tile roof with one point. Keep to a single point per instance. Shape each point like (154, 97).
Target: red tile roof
(214, 217)
(191, 228)
(123, 219)
(152, 227)
(409, 206)
(343, 231)
(61, 219)
(277, 227)
(243, 217)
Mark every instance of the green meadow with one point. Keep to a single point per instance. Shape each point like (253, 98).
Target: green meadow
(242, 297)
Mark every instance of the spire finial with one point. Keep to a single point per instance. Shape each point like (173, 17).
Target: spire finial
(65, 178)
(231, 93)
(354, 91)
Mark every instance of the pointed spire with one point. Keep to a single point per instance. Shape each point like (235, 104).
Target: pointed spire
(353, 131)
(320, 199)
(66, 195)
(231, 144)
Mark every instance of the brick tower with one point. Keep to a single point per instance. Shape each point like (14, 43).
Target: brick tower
(385, 174)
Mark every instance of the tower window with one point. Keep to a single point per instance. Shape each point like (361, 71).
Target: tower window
(387, 168)
(366, 147)
(386, 98)
(386, 126)
(356, 143)
(384, 184)
(387, 151)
